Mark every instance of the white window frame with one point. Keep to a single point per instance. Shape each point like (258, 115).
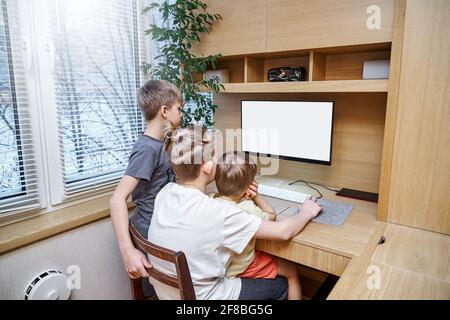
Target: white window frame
(43, 56)
(32, 107)
(39, 52)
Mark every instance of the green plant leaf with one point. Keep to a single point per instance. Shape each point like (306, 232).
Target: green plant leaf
(188, 21)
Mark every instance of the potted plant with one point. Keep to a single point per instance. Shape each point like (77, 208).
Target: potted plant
(183, 21)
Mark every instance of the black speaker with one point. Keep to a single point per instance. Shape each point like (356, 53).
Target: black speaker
(357, 194)
(287, 74)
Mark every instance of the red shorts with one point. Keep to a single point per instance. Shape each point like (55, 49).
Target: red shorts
(263, 266)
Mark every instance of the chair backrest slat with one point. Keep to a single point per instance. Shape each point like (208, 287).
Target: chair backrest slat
(164, 278)
(151, 248)
(182, 281)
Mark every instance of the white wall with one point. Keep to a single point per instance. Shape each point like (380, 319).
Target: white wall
(92, 247)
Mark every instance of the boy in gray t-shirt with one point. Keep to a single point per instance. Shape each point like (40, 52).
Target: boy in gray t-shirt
(148, 171)
(149, 164)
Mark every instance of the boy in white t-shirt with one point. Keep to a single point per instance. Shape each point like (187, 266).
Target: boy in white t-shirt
(211, 231)
(235, 174)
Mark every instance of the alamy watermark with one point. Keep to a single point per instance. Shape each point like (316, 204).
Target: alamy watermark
(373, 281)
(195, 146)
(73, 277)
(373, 21)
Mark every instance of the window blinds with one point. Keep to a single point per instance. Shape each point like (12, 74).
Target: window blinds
(18, 172)
(96, 75)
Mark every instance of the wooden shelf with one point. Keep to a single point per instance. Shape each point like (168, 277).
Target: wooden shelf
(338, 69)
(309, 86)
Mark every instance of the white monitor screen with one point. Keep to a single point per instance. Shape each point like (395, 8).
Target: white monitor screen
(293, 130)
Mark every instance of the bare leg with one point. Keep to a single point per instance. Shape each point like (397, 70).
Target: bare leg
(288, 270)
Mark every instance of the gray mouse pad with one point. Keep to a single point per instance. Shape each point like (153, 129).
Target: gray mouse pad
(333, 213)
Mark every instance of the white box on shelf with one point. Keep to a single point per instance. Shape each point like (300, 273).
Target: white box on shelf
(376, 69)
(224, 75)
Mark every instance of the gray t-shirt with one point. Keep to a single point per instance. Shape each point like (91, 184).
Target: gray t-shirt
(148, 163)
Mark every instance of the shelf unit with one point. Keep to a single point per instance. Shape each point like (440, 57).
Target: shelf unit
(333, 74)
(337, 69)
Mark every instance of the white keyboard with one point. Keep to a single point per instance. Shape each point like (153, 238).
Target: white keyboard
(284, 194)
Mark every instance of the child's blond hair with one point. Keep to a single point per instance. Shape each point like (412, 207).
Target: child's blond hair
(187, 149)
(234, 174)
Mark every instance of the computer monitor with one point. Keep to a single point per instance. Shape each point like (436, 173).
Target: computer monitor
(291, 130)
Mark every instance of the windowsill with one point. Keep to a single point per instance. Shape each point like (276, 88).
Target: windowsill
(22, 233)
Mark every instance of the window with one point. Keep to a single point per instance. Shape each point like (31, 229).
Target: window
(18, 173)
(69, 73)
(96, 75)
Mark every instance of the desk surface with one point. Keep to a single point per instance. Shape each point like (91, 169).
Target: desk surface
(411, 264)
(323, 247)
(348, 240)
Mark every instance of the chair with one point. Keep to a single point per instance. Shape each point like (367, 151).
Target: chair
(182, 281)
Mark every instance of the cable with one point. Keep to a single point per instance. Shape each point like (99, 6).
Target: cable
(301, 180)
(317, 184)
(309, 185)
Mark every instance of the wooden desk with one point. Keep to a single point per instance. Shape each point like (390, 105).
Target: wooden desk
(320, 246)
(411, 264)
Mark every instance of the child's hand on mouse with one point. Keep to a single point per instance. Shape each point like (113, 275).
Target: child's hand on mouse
(310, 208)
(252, 190)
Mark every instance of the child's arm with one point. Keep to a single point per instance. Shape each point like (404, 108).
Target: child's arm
(259, 200)
(134, 260)
(265, 206)
(289, 227)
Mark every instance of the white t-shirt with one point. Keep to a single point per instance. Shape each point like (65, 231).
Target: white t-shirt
(208, 231)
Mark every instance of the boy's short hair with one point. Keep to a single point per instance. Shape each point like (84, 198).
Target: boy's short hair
(234, 174)
(154, 94)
